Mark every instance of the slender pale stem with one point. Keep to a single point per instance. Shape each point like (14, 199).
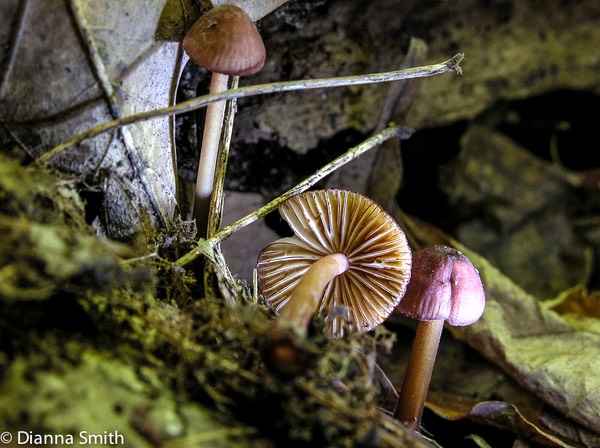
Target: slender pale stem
(304, 301)
(451, 65)
(209, 153)
(411, 401)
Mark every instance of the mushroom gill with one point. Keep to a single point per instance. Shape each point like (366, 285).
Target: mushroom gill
(338, 221)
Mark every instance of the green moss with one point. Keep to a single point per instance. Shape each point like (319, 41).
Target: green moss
(96, 337)
(96, 392)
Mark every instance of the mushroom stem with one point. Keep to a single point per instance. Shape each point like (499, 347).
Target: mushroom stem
(208, 154)
(304, 301)
(284, 349)
(411, 401)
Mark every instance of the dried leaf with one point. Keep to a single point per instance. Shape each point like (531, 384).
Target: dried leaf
(579, 307)
(516, 58)
(539, 349)
(256, 9)
(68, 66)
(495, 173)
(494, 413)
(578, 300)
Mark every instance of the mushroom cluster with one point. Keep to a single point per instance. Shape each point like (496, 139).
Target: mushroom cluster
(348, 260)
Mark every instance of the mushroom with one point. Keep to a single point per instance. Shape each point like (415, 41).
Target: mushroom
(226, 42)
(444, 286)
(348, 259)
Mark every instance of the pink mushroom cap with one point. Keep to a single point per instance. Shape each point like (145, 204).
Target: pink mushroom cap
(444, 285)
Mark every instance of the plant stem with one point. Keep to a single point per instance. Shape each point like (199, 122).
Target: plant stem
(451, 65)
(215, 209)
(209, 153)
(411, 401)
(215, 214)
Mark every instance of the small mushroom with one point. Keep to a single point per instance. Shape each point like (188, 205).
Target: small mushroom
(347, 255)
(444, 286)
(225, 41)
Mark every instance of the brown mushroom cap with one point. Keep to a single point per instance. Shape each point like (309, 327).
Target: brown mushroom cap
(225, 40)
(444, 285)
(338, 221)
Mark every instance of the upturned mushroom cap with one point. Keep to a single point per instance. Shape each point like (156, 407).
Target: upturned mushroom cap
(225, 40)
(444, 285)
(338, 221)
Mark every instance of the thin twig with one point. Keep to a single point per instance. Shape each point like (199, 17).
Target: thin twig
(451, 65)
(351, 154)
(214, 211)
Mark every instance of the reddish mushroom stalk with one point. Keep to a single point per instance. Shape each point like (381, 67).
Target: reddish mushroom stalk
(418, 373)
(444, 286)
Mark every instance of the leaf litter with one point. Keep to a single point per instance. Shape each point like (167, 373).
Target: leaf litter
(208, 350)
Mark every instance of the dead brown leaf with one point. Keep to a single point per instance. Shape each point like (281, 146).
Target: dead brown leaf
(70, 65)
(578, 300)
(494, 413)
(579, 307)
